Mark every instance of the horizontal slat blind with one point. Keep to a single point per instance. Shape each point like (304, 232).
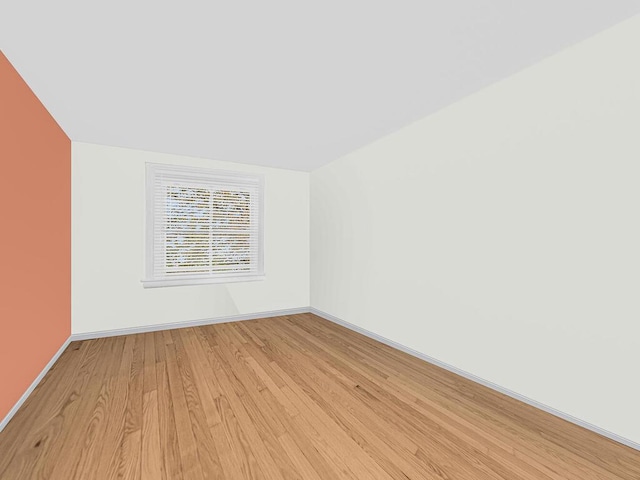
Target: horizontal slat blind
(203, 223)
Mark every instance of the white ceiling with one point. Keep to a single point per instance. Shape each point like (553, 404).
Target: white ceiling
(289, 84)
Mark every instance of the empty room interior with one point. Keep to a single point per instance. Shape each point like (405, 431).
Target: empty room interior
(326, 240)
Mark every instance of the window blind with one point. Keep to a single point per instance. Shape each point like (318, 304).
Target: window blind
(203, 226)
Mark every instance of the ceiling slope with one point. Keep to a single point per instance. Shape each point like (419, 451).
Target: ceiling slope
(281, 83)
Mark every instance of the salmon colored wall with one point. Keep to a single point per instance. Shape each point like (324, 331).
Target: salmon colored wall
(35, 237)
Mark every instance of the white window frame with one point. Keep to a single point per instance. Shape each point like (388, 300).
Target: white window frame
(158, 279)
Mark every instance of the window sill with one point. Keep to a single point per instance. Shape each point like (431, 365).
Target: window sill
(182, 282)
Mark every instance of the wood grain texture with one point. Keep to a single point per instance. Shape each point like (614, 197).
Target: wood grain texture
(284, 398)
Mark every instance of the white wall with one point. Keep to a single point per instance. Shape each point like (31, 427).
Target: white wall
(502, 234)
(108, 193)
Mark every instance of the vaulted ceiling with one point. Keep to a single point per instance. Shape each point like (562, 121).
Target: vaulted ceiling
(281, 83)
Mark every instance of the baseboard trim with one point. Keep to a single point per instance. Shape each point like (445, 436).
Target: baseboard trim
(34, 384)
(189, 323)
(474, 378)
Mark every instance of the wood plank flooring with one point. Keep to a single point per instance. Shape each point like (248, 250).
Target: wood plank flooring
(284, 398)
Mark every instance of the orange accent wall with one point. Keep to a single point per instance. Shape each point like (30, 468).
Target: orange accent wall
(35, 236)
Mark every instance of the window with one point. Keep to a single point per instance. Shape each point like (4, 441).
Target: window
(203, 226)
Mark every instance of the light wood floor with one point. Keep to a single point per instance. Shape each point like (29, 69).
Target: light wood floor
(284, 398)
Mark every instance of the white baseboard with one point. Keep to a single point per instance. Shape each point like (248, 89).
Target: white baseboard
(34, 384)
(187, 324)
(481, 381)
